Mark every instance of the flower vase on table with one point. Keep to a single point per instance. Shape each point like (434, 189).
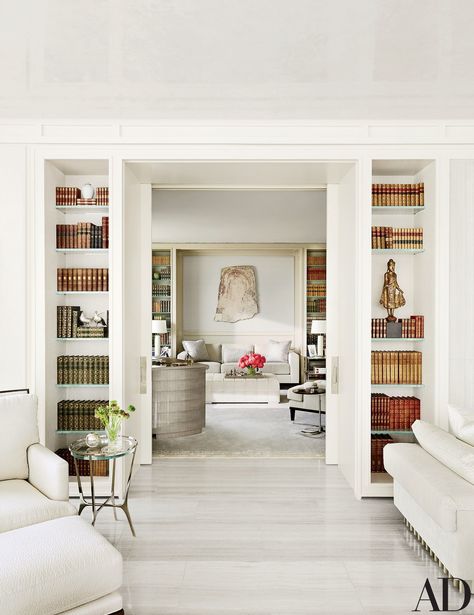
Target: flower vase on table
(111, 417)
(252, 362)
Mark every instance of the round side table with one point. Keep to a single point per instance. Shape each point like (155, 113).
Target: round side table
(126, 445)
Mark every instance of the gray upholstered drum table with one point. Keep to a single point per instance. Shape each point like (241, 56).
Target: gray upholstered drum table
(179, 399)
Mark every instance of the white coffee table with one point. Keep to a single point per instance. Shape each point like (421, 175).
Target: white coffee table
(261, 389)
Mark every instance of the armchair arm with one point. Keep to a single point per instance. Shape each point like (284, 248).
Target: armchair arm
(294, 361)
(48, 472)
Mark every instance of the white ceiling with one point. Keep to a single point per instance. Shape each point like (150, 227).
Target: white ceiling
(237, 59)
(239, 175)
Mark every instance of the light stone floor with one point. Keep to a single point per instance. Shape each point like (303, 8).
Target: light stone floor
(264, 537)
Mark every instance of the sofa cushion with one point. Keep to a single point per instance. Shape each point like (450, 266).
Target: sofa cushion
(274, 351)
(55, 566)
(461, 421)
(196, 349)
(435, 488)
(19, 429)
(231, 353)
(443, 446)
(21, 504)
(214, 367)
(279, 369)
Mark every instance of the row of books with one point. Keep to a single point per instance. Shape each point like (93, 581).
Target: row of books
(83, 369)
(390, 238)
(396, 367)
(161, 306)
(74, 414)
(318, 290)
(162, 274)
(401, 195)
(316, 305)
(398, 413)
(378, 443)
(81, 279)
(71, 196)
(158, 290)
(316, 259)
(412, 328)
(68, 325)
(165, 339)
(83, 235)
(316, 274)
(312, 338)
(160, 259)
(100, 467)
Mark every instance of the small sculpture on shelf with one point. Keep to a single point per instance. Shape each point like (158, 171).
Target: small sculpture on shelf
(392, 296)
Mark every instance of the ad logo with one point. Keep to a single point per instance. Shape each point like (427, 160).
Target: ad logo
(428, 596)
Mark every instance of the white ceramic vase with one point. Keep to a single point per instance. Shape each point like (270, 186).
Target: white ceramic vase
(87, 191)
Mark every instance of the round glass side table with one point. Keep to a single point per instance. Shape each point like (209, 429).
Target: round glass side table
(126, 445)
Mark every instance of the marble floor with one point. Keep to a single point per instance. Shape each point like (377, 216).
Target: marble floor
(264, 537)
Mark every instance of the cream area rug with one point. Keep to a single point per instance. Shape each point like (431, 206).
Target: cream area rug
(245, 430)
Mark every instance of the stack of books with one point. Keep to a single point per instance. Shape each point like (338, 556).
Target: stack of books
(395, 413)
(398, 195)
(396, 367)
(100, 468)
(81, 279)
(160, 259)
(412, 328)
(389, 238)
(67, 196)
(80, 369)
(83, 235)
(378, 442)
(68, 326)
(77, 415)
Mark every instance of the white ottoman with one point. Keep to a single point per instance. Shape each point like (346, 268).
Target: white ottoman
(262, 389)
(59, 566)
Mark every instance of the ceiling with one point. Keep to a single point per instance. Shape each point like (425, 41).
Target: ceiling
(245, 59)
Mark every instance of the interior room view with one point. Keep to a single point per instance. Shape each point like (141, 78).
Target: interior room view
(236, 333)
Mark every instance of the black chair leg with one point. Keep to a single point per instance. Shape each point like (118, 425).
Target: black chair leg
(292, 413)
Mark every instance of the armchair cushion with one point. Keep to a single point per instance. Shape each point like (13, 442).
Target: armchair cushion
(196, 349)
(19, 429)
(48, 472)
(22, 505)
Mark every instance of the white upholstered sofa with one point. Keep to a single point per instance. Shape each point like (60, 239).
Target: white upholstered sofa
(51, 560)
(434, 491)
(221, 358)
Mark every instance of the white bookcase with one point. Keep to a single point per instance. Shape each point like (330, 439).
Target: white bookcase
(416, 276)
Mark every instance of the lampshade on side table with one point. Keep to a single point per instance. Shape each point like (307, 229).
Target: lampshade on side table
(158, 327)
(318, 327)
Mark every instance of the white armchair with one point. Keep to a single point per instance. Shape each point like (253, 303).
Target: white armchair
(33, 480)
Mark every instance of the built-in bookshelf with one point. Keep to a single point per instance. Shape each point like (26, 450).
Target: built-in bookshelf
(401, 376)
(162, 293)
(315, 363)
(77, 305)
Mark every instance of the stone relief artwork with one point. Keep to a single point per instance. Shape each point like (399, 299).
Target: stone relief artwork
(237, 298)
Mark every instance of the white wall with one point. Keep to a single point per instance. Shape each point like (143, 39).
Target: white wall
(275, 290)
(13, 274)
(239, 216)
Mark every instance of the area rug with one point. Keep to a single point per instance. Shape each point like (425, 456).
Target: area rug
(246, 431)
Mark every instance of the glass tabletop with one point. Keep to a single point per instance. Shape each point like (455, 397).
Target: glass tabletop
(124, 446)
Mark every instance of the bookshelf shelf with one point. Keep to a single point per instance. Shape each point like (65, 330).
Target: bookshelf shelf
(65, 209)
(78, 431)
(82, 339)
(398, 339)
(397, 251)
(82, 292)
(81, 386)
(392, 431)
(396, 210)
(82, 250)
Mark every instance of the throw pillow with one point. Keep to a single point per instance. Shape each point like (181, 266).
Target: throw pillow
(461, 421)
(231, 353)
(277, 352)
(196, 349)
(443, 446)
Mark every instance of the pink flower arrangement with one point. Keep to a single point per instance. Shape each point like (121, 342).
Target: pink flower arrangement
(252, 361)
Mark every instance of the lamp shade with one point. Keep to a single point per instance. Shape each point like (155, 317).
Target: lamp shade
(158, 326)
(318, 327)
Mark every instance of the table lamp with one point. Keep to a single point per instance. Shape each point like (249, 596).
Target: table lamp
(158, 327)
(318, 327)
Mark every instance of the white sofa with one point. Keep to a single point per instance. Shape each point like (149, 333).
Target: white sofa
(285, 371)
(51, 561)
(434, 491)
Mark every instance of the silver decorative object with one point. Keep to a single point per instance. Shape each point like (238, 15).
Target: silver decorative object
(93, 440)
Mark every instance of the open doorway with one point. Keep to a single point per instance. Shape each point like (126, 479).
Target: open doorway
(210, 215)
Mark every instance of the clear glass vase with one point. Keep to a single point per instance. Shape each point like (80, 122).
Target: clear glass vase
(112, 429)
